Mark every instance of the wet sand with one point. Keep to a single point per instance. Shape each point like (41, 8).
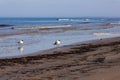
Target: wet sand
(38, 30)
(93, 60)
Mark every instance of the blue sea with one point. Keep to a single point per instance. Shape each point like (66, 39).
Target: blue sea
(35, 40)
(54, 21)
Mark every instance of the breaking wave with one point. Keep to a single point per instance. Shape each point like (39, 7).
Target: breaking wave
(44, 27)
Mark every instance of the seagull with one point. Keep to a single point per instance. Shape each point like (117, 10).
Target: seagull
(57, 42)
(20, 42)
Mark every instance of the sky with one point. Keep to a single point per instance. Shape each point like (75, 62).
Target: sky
(59, 8)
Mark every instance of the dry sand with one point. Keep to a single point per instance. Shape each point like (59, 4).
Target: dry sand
(94, 60)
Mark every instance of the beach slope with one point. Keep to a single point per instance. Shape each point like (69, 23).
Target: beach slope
(94, 60)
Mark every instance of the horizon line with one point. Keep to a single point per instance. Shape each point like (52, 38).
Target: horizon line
(57, 17)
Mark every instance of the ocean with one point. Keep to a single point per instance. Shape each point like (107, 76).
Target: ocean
(68, 30)
(54, 21)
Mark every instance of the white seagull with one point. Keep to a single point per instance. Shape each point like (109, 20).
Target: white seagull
(57, 42)
(20, 42)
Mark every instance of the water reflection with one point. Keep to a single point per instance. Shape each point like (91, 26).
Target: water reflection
(21, 49)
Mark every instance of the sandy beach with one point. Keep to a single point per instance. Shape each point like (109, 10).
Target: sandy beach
(59, 40)
(92, 60)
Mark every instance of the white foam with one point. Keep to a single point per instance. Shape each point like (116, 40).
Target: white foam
(115, 23)
(44, 27)
(102, 34)
(64, 19)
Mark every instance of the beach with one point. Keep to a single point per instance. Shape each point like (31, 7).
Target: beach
(59, 40)
(89, 49)
(91, 60)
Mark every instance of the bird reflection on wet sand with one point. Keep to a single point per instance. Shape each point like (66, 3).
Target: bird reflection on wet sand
(21, 49)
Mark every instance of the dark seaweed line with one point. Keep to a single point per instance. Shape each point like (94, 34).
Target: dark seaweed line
(75, 50)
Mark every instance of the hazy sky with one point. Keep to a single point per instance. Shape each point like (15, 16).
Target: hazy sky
(59, 8)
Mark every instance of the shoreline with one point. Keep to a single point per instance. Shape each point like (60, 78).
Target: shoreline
(30, 33)
(95, 59)
(90, 60)
(64, 49)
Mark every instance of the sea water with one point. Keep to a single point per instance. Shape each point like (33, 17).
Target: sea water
(35, 41)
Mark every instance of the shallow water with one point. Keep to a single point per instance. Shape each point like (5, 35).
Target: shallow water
(39, 42)
(42, 40)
